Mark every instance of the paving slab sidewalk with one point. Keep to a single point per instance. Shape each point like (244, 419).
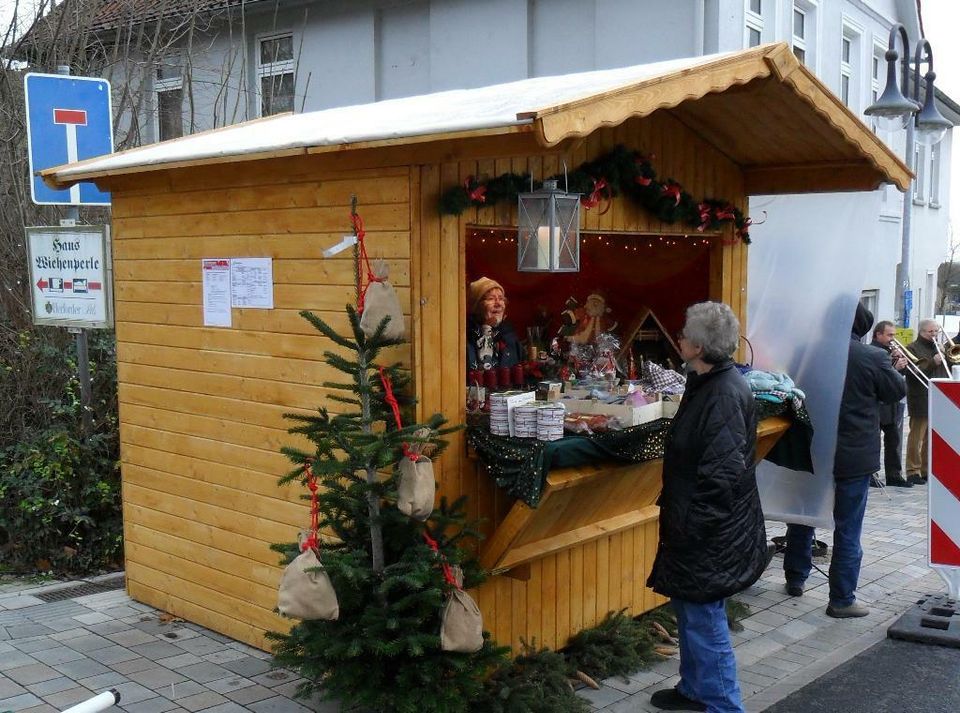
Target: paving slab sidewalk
(55, 654)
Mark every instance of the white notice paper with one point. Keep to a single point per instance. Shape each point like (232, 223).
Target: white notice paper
(251, 282)
(216, 292)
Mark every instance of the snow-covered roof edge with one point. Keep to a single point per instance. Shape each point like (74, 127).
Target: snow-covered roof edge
(453, 111)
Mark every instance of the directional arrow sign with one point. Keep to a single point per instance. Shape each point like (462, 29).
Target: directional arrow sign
(70, 276)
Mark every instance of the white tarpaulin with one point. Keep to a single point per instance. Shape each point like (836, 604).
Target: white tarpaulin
(808, 262)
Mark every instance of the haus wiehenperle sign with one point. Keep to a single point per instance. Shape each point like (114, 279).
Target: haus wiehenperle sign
(70, 276)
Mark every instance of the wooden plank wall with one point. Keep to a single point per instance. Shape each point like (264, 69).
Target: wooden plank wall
(201, 408)
(573, 589)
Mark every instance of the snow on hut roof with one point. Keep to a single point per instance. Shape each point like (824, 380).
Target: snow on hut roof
(451, 111)
(760, 107)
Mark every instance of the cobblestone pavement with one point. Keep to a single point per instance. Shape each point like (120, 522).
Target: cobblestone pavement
(55, 654)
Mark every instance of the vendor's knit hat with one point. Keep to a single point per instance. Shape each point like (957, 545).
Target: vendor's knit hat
(478, 288)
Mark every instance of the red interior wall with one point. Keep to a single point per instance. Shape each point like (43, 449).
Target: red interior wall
(630, 271)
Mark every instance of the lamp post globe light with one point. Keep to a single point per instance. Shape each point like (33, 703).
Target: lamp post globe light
(924, 124)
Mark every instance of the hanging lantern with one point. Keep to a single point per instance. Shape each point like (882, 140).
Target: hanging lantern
(548, 234)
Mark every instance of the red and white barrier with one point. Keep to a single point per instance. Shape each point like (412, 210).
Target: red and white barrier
(944, 482)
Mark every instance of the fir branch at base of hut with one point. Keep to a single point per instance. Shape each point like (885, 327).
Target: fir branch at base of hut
(536, 681)
(619, 172)
(621, 645)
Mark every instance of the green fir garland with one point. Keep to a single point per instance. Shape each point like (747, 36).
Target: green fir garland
(619, 172)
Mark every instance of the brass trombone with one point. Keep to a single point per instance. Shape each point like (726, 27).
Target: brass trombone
(950, 350)
(912, 361)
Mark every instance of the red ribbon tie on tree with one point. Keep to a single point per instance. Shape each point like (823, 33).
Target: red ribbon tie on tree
(313, 540)
(362, 260)
(391, 400)
(447, 570)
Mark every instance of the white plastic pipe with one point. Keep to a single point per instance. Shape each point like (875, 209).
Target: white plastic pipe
(98, 703)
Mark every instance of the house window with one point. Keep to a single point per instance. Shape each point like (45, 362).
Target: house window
(870, 299)
(753, 22)
(850, 67)
(919, 167)
(168, 86)
(934, 176)
(799, 35)
(804, 32)
(878, 64)
(275, 74)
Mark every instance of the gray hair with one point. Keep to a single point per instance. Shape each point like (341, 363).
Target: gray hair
(714, 327)
(926, 322)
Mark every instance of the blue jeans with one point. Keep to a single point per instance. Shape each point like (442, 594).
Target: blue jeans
(708, 670)
(849, 505)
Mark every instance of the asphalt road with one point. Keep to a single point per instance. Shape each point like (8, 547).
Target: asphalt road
(890, 677)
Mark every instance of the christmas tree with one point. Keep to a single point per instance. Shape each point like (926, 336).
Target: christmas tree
(383, 652)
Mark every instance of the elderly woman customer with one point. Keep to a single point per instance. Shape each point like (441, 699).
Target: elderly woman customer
(712, 535)
(491, 340)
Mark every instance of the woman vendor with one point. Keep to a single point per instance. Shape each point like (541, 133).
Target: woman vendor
(491, 341)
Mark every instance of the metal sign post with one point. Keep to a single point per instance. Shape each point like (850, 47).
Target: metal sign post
(69, 119)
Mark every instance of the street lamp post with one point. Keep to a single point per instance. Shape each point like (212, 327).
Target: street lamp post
(924, 123)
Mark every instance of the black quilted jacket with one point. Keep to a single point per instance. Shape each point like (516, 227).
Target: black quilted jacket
(712, 536)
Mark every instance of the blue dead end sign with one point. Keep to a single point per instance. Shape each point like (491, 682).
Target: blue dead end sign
(68, 119)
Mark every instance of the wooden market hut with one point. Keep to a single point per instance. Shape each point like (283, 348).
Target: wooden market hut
(201, 407)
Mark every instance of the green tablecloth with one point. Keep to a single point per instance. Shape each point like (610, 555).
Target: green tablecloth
(520, 465)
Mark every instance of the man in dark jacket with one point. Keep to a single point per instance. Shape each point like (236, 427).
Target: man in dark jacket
(712, 536)
(930, 363)
(891, 415)
(870, 381)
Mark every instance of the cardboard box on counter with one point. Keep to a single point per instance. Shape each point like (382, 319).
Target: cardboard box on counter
(628, 415)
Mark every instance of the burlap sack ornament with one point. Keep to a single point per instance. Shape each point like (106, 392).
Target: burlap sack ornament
(461, 627)
(381, 301)
(415, 491)
(306, 591)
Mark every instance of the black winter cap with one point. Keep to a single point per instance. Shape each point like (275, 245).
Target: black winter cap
(862, 321)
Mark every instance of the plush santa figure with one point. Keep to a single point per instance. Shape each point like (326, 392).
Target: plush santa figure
(592, 319)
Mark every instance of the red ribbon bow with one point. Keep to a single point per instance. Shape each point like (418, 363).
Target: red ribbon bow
(672, 190)
(601, 191)
(477, 194)
(704, 210)
(726, 213)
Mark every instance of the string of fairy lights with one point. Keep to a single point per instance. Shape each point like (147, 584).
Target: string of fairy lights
(629, 242)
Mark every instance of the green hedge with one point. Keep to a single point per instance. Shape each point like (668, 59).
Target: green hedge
(60, 504)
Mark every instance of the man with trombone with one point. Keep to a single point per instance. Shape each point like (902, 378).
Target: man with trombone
(926, 362)
(891, 415)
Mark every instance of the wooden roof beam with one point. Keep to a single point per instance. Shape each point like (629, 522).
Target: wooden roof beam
(812, 178)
